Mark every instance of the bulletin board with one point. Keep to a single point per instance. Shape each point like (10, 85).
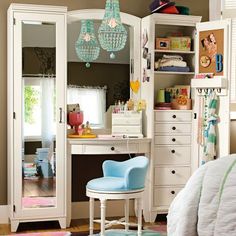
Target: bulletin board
(211, 52)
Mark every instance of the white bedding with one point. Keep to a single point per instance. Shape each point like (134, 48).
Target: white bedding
(207, 204)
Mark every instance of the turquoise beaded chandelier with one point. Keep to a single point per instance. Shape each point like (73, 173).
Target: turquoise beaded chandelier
(86, 46)
(112, 34)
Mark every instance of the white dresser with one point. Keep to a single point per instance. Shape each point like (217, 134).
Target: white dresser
(172, 155)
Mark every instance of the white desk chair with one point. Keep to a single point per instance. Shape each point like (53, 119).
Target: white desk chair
(122, 180)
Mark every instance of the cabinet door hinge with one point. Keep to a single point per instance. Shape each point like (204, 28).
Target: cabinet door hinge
(14, 115)
(195, 116)
(14, 21)
(131, 66)
(14, 208)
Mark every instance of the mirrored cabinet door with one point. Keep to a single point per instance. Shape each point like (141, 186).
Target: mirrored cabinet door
(38, 74)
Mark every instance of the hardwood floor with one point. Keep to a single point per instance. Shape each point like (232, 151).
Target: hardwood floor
(40, 187)
(80, 225)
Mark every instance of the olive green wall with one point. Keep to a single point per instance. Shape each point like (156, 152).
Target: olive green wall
(135, 7)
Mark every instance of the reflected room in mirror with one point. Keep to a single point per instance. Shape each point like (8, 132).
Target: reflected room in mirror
(39, 115)
(101, 85)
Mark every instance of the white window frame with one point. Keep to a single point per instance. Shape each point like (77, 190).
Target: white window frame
(102, 110)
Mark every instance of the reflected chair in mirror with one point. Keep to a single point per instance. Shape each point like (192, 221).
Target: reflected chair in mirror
(121, 181)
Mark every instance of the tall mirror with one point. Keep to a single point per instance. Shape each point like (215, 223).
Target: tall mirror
(38, 114)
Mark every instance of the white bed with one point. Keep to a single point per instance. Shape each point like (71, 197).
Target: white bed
(207, 204)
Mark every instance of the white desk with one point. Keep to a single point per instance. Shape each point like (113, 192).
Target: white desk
(114, 146)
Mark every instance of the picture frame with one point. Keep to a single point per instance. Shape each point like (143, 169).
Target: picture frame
(163, 43)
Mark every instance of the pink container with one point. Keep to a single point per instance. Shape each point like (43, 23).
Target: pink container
(76, 119)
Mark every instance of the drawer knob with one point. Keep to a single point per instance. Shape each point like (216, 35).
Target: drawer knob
(172, 192)
(173, 139)
(173, 128)
(173, 151)
(173, 172)
(174, 116)
(112, 148)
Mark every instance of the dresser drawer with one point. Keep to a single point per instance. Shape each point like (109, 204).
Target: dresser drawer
(172, 139)
(173, 128)
(174, 116)
(105, 149)
(172, 155)
(164, 196)
(131, 129)
(117, 120)
(171, 175)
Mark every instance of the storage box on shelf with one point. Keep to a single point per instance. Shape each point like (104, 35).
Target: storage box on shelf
(127, 124)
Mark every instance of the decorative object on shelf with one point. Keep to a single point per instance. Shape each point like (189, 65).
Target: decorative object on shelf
(112, 34)
(183, 10)
(180, 43)
(75, 119)
(87, 132)
(163, 43)
(170, 10)
(158, 5)
(87, 47)
(135, 85)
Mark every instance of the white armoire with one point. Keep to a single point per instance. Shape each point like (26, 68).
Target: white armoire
(39, 198)
(175, 153)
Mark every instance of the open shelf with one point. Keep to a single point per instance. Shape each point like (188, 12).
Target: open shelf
(173, 73)
(174, 51)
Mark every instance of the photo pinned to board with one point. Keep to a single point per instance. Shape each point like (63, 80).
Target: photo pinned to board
(149, 61)
(145, 41)
(146, 78)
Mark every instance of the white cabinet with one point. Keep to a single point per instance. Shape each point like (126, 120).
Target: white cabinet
(36, 115)
(172, 155)
(176, 149)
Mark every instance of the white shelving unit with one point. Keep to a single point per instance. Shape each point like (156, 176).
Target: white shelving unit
(171, 130)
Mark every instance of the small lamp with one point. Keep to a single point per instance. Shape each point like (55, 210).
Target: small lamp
(112, 34)
(87, 47)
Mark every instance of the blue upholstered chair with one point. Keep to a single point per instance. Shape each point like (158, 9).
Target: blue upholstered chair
(121, 180)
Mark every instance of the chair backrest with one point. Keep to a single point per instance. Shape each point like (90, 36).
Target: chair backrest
(135, 177)
(133, 171)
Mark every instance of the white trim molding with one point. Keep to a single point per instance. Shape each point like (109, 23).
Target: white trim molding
(4, 216)
(215, 8)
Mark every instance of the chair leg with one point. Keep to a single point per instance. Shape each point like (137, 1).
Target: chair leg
(91, 215)
(139, 206)
(126, 214)
(103, 216)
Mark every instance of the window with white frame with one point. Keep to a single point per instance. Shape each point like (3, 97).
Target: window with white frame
(92, 101)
